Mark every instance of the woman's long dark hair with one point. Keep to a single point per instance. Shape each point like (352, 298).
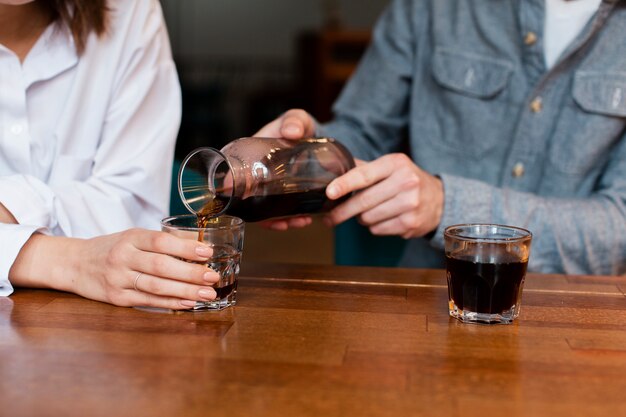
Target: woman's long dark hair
(81, 17)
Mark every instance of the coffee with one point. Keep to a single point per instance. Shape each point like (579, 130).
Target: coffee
(264, 207)
(207, 215)
(209, 211)
(483, 287)
(225, 291)
(273, 199)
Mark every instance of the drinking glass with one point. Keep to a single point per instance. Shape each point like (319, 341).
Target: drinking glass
(486, 266)
(224, 235)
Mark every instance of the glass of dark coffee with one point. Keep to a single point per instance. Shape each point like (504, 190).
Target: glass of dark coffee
(224, 235)
(486, 266)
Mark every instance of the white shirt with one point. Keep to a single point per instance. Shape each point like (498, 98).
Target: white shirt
(87, 143)
(564, 22)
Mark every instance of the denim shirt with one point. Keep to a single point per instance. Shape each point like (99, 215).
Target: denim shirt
(514, 143)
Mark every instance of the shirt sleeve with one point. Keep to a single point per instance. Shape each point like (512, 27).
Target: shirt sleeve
(130, 172)
(12, 238)
(375, 102)
(570, 235)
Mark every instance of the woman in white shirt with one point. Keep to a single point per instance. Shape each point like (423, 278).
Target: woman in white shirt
(89, 111)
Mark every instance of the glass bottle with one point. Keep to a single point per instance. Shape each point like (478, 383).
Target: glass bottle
(262, 178)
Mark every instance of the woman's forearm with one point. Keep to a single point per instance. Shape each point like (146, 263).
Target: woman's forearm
(47, 262)
(43, 262)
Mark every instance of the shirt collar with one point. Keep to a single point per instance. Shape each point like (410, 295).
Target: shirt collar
(53, 53)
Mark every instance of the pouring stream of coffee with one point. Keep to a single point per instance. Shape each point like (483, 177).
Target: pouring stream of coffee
(207, 214)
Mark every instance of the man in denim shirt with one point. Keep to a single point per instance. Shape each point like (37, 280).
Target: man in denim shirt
(495, 135)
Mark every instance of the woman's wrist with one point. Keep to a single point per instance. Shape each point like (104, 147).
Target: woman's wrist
(47, 262)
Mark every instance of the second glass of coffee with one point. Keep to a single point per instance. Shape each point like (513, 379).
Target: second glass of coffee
(486, 266)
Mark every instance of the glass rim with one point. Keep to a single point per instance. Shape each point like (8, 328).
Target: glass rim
(524, 235)
(237, 224)
(182, 167)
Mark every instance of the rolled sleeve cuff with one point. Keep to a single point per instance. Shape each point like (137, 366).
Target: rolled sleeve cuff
(466, 201)
(12, 239)
(27, 199)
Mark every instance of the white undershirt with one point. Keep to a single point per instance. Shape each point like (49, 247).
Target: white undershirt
(564, 22)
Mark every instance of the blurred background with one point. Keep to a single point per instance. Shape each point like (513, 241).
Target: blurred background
(243, 62)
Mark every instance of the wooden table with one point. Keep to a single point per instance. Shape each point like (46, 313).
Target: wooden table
(320, 341)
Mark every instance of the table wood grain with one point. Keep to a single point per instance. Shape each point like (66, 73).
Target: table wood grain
(320, 341)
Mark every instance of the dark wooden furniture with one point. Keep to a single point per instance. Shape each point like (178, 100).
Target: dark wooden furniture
(326, 60)
(320, 341)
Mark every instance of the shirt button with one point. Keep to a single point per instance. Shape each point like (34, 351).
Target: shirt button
(536, 105)
(530, 38)
(16, 129)
(518, 170)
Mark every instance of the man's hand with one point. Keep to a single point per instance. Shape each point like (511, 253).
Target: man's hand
(294, 124)
(395, 197)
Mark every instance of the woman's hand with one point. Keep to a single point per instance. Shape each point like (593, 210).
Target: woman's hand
(395, 197)
(132, 268)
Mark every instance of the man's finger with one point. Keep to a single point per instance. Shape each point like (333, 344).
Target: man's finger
(365, 201)
(363, 176)
(297, 124)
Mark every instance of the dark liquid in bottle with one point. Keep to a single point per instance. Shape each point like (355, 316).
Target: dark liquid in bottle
(271, 200)
(489, 288)
(264, 207)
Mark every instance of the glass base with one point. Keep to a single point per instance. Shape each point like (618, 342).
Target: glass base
(214, 305)
(505, 317)
(200, 306)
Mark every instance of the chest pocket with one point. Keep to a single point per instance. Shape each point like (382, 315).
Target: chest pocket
(470, 74)
(588, 130)
(603, 93)
(471, 105)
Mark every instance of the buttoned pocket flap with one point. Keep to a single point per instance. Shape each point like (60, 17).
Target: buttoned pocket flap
(472, 74)
(601, 92)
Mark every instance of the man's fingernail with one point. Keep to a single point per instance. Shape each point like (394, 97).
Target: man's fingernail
(332, 191)
(291, 129)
